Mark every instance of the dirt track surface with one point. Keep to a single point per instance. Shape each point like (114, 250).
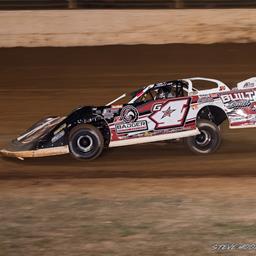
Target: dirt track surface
(152, 199)
(52, 81)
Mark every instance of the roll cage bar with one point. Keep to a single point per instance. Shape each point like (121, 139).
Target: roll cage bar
(191, 90)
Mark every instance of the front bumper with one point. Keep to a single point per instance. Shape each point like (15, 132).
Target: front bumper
(35, 153)
(26, 144)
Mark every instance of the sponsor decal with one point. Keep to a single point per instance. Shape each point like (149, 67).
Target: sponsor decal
(194, 106)
(205, 99)
(60, 128)
(162, 84)
(238, 104)
(222, 88)
(237, 118)
(129, 114)
(214, 95)
(156, 107)
(57, 136)
(97, 111)
(109, 113)
(253, 106)
(131, 127)
(249, 85)
(251, 95)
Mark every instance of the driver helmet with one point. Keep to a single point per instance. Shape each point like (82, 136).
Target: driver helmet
(164, 93)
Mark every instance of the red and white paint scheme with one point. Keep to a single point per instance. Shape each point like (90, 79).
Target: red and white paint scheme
(175, 116)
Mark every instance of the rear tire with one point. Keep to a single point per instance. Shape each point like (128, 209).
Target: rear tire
(208, 141)
(85, 142)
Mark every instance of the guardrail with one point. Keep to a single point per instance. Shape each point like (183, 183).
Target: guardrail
(33, 4)
(150, 4)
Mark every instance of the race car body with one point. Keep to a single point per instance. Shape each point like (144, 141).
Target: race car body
(161, 111)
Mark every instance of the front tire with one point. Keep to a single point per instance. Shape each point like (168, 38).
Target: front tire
(85, 142)
(208, 141)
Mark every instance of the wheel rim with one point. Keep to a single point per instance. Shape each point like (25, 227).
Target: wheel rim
(85, 143)
(203, 138)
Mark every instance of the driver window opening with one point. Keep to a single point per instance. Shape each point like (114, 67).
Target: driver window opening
(147, 96)
(164, 92)
(173, 91)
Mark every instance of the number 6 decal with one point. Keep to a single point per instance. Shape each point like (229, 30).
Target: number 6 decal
(171, 114)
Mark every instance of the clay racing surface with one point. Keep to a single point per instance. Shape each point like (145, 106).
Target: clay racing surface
(137, 200)
(52, 81)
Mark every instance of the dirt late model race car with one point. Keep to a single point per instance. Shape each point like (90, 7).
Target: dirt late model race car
(158, 112)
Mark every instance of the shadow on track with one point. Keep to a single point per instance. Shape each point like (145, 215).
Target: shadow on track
(155, 160)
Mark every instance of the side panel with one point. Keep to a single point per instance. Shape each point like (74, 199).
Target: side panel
(154, 118)
(204, 101)
(240, 107)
